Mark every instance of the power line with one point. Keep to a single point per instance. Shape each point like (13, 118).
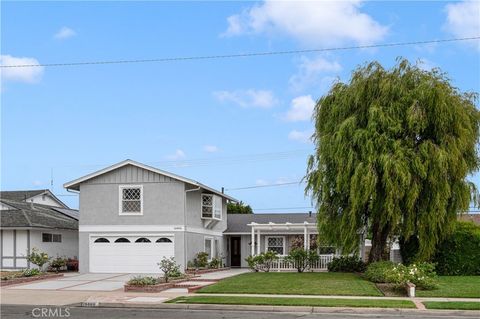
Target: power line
(238, 55)
(285, 208)
(261, 186)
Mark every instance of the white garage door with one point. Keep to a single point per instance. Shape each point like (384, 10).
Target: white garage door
(129, 254)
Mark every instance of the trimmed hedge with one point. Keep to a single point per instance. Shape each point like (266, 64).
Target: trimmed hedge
(459, 254)
(346, 264)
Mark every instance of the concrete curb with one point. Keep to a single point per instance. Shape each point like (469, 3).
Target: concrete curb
(298, 309)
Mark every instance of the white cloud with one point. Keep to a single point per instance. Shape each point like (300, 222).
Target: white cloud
(426, 64)
(37, 183)
(210, 148)
(20, 74)
(248, 98)
(463, 19)
(311, 22)
(178, 155)
(64, 33)
(310, 71)
(300, 136)
(301, 109)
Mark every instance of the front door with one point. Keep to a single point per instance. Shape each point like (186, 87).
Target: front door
(236, 258)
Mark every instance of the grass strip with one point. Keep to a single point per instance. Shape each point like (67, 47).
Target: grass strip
(452, 305)
(281, 301)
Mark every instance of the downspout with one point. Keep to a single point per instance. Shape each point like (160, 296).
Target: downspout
(185, 224)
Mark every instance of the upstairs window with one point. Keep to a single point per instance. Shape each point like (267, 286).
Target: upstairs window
(211, 206)
(207, 206)
(131, 200)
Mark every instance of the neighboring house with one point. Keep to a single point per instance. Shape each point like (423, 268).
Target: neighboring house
(132, 215)
(35, 219)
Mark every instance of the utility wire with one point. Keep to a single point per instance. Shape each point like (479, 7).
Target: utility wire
(239, 55)
(261, 186)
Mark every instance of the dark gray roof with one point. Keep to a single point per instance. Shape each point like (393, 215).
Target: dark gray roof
(31, 215)
(237, 223)
(21, 195)
(68, 211)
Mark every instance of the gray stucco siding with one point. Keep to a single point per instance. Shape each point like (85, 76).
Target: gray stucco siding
(163, 203)
(194, 212)
(195, 243)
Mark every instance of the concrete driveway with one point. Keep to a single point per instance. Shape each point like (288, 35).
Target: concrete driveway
(79, 282)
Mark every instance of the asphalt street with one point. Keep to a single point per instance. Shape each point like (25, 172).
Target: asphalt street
(22, 311)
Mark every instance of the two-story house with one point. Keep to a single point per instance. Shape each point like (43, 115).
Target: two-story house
(132, 215)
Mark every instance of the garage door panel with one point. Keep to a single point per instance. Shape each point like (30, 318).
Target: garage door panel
(131, 257)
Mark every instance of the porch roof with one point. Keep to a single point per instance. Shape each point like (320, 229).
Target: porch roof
(240, 223)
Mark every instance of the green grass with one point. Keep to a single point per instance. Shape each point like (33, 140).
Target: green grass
(454, 286)
(345, 284)
(457, 305)
(279, 301)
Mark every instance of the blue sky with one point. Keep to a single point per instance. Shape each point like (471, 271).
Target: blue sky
(228, 122)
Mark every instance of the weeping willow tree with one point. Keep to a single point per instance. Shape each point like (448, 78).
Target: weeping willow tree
(393, 152)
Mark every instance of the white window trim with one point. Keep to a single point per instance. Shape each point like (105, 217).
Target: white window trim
(120, 199)
(212, 241)
(284, 243)
(213, 207)
(221, 208)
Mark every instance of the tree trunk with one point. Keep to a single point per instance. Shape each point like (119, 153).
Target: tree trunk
(379, 242)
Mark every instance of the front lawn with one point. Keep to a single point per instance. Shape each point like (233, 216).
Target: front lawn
(278, 301)
(455, 305)
(320, 283)
(454, 286)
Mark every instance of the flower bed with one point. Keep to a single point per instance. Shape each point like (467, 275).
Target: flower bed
(19, 280)
(151, 284)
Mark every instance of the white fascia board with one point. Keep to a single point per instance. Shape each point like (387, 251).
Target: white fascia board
(73, 184)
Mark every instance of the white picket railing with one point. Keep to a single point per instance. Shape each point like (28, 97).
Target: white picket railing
(282, 265)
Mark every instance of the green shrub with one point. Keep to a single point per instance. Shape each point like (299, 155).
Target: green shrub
(58, 263)
(202, 259)
(302, 259)
(421, 274)
(169, 268)
(262, 261)
(142, 281)
(38, 258)
(215, 263)
(377, 271)
(346, 264)
(31, 272)
(459, 253)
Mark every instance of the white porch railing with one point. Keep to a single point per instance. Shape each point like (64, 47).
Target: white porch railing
(282, 265)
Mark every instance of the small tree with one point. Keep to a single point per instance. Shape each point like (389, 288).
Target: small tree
(38, 258)
(302, 259)
(169, 268)
(238, 208)
(268, 258)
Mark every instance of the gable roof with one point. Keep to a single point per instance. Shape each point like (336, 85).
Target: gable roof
(75, 184)
(238, 223)
(22, 196)
(32, 215)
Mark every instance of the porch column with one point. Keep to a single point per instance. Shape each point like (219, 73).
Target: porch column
(258, 242)
(253, 240)
(305, 233)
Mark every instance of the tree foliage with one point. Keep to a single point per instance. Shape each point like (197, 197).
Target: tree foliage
(393, 149)
(238, 208)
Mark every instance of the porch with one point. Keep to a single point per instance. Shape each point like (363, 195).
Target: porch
(283, 237)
